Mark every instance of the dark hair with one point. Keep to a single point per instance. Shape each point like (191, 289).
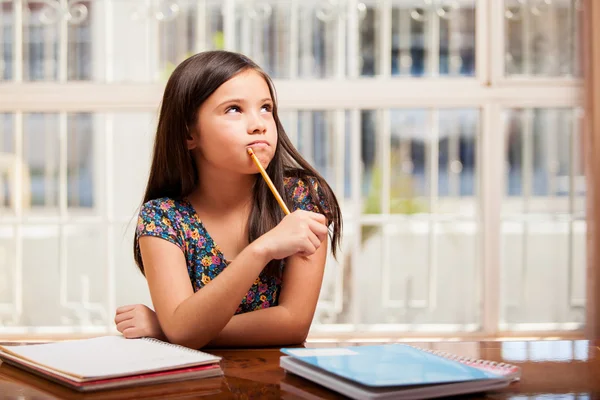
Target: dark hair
(173, 172)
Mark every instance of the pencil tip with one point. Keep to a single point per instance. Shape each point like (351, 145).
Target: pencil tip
(249, 151)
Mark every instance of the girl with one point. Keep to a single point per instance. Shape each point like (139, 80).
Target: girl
(224, 266)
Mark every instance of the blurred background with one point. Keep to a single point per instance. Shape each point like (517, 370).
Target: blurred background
(450, 131)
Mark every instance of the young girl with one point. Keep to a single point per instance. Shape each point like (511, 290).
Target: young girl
(224, 265)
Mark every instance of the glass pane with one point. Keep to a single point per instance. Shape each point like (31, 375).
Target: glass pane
(8, 274)
(263, 34)
(6, 41)
(317, 135)
(370, 253)
(82, 162)
(129, 173)
(542, 38)
(41, 153)
(44, 45)
(422, 271)
(543, 281)
(40, 42)
(318, 24)
(8, 160)
(131, 287)
(458, 144)
(41, 273)
(410, 148)
(543, 221)
(544, 161)
(184, 29)
(84, 287)
(316, 142)
(428, 39)
(335, 300)
(66, 281)
(371, 179)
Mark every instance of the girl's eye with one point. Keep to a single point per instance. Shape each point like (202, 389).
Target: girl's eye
(267, 108)
(232, 109)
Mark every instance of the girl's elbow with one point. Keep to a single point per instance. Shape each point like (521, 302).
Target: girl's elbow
(182, 338)
(301, 332)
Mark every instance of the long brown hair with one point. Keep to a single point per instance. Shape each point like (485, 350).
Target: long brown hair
(173, 172)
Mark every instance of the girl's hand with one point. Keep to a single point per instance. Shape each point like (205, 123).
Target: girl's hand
(300, 232)
(137, 320)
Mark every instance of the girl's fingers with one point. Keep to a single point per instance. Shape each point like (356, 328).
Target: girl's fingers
(122, 326)
(131, 333)
(126, 308)
(123, 317)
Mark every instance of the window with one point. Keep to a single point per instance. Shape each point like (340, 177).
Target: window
(450, 131)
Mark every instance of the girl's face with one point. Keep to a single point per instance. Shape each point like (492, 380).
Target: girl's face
(238, 115)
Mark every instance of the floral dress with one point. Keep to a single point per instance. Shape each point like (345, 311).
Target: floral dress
(176, 220)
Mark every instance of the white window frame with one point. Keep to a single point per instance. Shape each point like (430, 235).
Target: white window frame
(490, 91)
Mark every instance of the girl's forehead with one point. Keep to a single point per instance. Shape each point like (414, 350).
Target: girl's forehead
(245, 84)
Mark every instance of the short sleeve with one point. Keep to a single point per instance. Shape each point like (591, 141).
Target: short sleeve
(160, 218)
(306, 194)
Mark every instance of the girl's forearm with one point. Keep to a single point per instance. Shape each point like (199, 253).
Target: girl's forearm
(273, 326)
(200, 318)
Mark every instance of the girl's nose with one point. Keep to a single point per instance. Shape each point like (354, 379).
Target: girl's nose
(256, 125)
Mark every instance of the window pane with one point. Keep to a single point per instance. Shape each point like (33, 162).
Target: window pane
(40, 269)
(84, 265)
(317, 39)
(263, 34)
(458, 152)
(543, 221)
(41, 153)
(336, 297)
(304, 39)
(82, 162)
(131, 156)
(8, 276)
(184, 28)
(542, 38)
(131, 287)
(44, 44)
(315, 135)
(432, 169)
(6, 41)
(64, 268)
(428, 39)
(45, 161)
(8, 181)
(417, 136)
(371, 179)
(420, 271)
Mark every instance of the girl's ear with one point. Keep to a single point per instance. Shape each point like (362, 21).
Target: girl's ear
(191, 143)
(191, 139)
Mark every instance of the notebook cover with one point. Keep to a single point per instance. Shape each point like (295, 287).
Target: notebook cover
(203, 371)
(389, 365)
(357, 391)
(106, 357)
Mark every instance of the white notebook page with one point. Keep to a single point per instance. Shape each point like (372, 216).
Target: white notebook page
(110, 356)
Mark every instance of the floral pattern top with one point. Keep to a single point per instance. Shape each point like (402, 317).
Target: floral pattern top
(176, 220)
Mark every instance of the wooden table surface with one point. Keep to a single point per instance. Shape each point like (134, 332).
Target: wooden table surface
(565, 369)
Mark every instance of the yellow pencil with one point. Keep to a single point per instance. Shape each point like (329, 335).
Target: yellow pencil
(268, 180)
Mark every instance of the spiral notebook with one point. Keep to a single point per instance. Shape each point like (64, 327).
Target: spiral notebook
(111, 362)
(396, 371)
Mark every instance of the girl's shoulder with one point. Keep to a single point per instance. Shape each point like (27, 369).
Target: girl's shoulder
(164, 218)
(164, 205)
(168, 208)
(305, 193)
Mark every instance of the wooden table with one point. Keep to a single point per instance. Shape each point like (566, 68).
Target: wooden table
(550, 368)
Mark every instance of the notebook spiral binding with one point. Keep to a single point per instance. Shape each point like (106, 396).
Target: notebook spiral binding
(183, 348)
(492, 366)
